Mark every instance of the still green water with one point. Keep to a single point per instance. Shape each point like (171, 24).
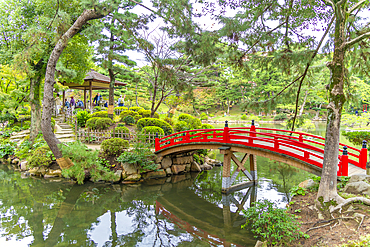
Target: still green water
(184, 210)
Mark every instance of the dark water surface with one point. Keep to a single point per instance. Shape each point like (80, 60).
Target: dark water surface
(184, 210)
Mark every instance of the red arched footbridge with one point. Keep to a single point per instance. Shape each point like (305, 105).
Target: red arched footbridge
(302, 150)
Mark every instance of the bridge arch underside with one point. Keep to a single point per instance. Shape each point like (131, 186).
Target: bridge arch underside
(188, 147)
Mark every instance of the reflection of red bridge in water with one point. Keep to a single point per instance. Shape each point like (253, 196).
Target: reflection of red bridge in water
(301, 150)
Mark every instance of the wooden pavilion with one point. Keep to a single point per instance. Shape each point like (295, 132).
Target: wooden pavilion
(92, 81)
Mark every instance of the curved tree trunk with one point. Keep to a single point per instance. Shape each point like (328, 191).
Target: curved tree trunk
(328, 185)
(50, 81)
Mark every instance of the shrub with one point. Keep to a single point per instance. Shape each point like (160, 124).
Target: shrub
(140, 155)
(168, 120)
(77, 110)
(82, 117)
(273, 225)
(42, 156)
(203, 116)
(113, 146)
(129, 120)
(146, 113)
(126, 113)
(136, 108)
(137, 117)
(7, 149)
(280, 116)
(155, 122)
(356, 137)
(121, 108)
(122, 129)
(103, 123)
(207, 126)
(244, 117)
(152, 130)
(100, 114)
(84, 160)
(181, 126)
(91, 123)
(192, 122)
(97, 109)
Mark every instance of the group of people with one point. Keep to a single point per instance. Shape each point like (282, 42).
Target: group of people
(72, 104)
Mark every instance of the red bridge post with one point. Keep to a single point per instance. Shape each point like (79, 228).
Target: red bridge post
(156, 142)
(226, 133)
(253, 128)
(363, 155)
(343, 163)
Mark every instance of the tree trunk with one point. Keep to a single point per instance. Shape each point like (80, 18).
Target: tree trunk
(152, 110)
(111, 94)
(136, 97)
(228, 106)
(328, 185)
(303, 104)
(34, 100)
(47, 132)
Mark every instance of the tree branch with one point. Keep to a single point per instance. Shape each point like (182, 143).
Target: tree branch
(348, 44)
(354, 7)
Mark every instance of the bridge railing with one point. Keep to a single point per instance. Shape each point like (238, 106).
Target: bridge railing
(303, 146)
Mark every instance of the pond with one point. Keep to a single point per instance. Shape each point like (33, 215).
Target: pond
(182, 210)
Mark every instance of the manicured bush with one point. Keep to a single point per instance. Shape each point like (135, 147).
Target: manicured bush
(103, 123)
(167, 128)
(122, 129)
(356, 137)
(181, 126)
(76, 110)
(136, 108)
(91, 123)
(168, 120)
(42, 156)
(203, 116)
(129, 120)
(152, 130)
(207, 126)
(192, 122)
(126, 113)
(146, 113)
(82, 117)
(244, 117)
(121, 108)
(113, 146)
(100, 114)
(137, 117)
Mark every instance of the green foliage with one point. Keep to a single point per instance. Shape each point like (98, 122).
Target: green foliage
(103, 114)
(244, 117)
(343, 180)
(181, 126)
(192, 122)
(140, 155)
(122, 129)
(207, 126)
(273, 225)
(103, 123)
(356, 137)
(146, 113)
(167, 128)
(203, 116)
(26, 148)
(129, 120)
(136, 108)
(42, 156)
(280, 116)
(91, 123)
(121, 108)
(84, 160)
(152, 130)
(7, 149)
(82, 117)
(296, 190)
(126, 113)
(77, 110)
(168, 120)
(113, 146)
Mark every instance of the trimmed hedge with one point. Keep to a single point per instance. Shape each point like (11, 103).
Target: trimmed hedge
(121, 108)
(126, 113)
(357, 137)
(100, 114)
(144, 122)
(122, 129)
(129, 120)
(146, 113)
(91, 123)
(181, 126)
(207, 126)
(82, 117)
(103, 123)
(113, 147)
(192, 122)
(152, 130)
(136, 108)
